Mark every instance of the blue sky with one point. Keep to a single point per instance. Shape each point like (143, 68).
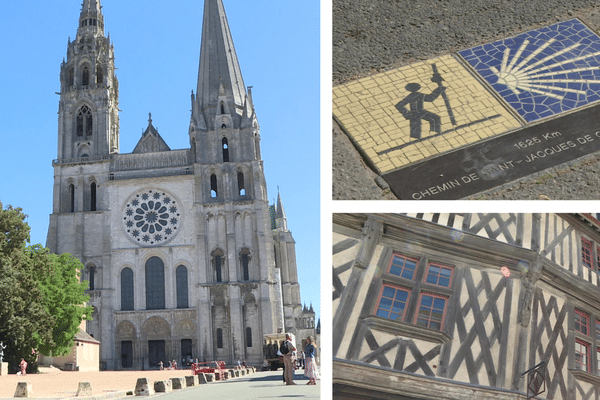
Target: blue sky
(157, 47)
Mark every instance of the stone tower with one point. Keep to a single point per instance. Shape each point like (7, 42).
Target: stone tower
(177, 245)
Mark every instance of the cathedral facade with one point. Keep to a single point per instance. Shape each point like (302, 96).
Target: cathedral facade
(183, 253)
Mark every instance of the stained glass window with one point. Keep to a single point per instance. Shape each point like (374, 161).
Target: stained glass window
(127, 289)
(155, 284)
(182, 287)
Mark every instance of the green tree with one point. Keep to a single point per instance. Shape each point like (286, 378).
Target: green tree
(41, 298)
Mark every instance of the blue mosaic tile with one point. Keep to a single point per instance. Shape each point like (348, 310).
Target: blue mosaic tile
(543, 72)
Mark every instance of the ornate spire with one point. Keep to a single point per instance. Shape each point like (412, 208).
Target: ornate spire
(221, 88)
(91, 19)
(280, 211)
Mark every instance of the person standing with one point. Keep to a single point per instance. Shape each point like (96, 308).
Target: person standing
(310, 365)
(23, 365)
(288, 359)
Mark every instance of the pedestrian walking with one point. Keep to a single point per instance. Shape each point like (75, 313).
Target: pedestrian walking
(161, 365)
(310, 365)
(288, 349)
(23, 365)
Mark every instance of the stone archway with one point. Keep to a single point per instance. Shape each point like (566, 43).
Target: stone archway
(156, 338)
(126, 339)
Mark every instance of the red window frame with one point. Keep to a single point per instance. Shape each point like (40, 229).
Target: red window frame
(429, 319)
(584, 363)
(597, 329)
(578, 324)
(426, 276)
(586, 252)
(402, 267)
(378, 303)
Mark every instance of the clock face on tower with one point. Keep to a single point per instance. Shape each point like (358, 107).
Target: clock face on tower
(151, 217)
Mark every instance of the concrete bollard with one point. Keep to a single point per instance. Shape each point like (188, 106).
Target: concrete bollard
(202, 378)
(143, 388)
(191, 380)
(84, 389)
(24, 389)
(163, 386)
(178, 383)
(209, 377)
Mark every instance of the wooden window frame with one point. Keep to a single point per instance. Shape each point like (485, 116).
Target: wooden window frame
(587, 260)
(435, 296)
(587, 325)
(414, 272)
(587, 365)
(426, 274)
(406, 304)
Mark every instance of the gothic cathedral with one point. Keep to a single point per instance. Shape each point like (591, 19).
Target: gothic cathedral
(183, 253)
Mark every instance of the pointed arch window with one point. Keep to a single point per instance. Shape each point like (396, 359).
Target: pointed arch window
(222, 108)
(70, 77)
(93, 196)
(155, 284)
(84, 121)
(219, 338)
(241, 186)
(92, 278)
(182, 287)
(214, 191)
(217, 262)
(127, 289)
(225, 147)
(71, 197)
(245, 263)
(248, 337)
(99, 76)
(85, 76)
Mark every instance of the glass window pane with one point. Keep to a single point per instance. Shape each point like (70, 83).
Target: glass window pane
(444, 282)
(427, 301)
(401, 295)
(388, 292)
(435, 325)
(386, 304)
(439, 303)
(398, 307)
(395, 270)
(447, 272)
(432, 279)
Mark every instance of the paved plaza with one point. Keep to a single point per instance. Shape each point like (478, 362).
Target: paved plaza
(57, 384)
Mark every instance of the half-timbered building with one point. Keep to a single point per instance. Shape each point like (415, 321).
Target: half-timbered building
(466, 306)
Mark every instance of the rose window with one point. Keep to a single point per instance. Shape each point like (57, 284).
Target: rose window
(151, 217)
